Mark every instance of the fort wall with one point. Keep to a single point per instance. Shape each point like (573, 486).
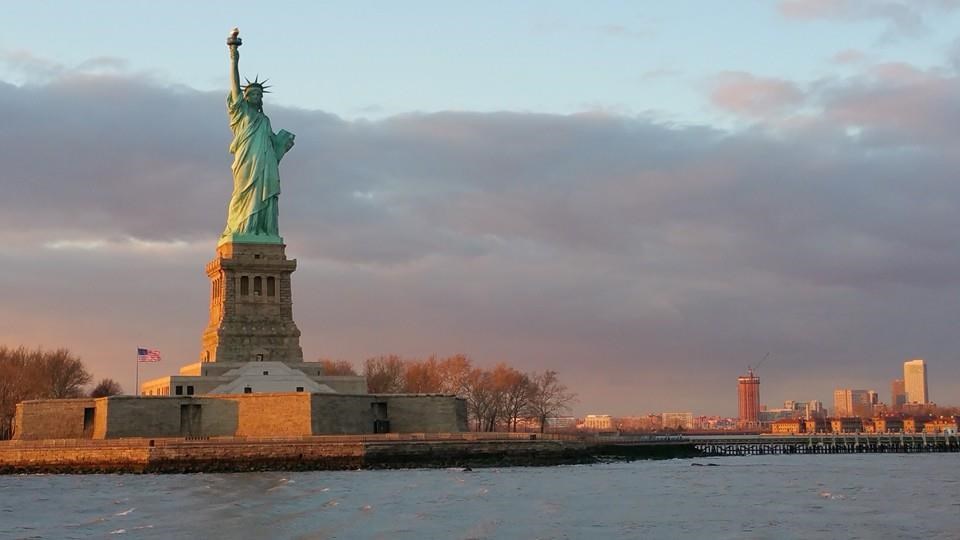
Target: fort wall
(52, 419)
(272, 415)
(431, 414)
(296, 414)
(341, 414)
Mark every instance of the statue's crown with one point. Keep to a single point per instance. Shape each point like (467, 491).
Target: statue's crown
(257, 83)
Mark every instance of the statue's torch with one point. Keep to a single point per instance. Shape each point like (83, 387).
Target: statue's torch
(233, 40)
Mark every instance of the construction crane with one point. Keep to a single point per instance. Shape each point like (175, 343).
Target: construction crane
(751, 369)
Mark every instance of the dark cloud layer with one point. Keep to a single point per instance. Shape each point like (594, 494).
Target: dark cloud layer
(648, 263)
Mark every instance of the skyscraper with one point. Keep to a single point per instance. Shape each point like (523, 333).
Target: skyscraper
(915, 381)
(815, 409)
(849, 402)
(842, 402)
(748, 392)
(898, 395)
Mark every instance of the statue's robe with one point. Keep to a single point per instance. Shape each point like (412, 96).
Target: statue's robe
(256, 173)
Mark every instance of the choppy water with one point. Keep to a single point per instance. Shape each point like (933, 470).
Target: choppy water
(776, 497)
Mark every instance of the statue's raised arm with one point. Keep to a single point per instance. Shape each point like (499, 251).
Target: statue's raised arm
(233, 43)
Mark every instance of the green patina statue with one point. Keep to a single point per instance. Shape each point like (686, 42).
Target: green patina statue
(257, 150)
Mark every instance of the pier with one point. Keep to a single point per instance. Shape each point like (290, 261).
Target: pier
(825, 443)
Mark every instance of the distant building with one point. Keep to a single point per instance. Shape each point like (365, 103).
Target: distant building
(677, 420)
(817, 424)
(849, 424)
(815, 409)
(710, 423)
(598, 422)
(788, 426)
(888, 424)
(561, 422)
(650, 422)
(805, 409)
(915, 381)
(898, 394)
(943, 424)
(919, 409)
(767, 416)
(915, 424)
(849, 402)
(748, 394)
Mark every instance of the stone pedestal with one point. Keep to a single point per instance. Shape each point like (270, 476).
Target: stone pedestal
(251, 307)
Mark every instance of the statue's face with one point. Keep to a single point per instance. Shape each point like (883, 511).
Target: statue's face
(254, 96)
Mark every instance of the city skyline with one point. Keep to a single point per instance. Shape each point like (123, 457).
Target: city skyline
(576, 189)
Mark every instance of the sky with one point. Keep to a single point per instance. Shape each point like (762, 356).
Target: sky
(647, 197)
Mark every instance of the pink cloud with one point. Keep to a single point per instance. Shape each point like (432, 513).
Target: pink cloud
(849, 56)
(899, 101)
(905, 17)
(758, 97)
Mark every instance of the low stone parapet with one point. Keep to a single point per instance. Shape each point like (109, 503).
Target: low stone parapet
(229, 454)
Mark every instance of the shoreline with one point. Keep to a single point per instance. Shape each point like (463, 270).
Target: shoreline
(178, 455)
(421, 450)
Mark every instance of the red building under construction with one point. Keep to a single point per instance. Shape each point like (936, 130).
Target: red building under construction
(748, 392)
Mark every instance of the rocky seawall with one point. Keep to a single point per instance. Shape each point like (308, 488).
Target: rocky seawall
(175, 455)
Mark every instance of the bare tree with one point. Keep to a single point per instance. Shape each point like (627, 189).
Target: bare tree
(422, 376)
(384, 374)
(481, 398)
(548, 397)
(495, 398)
(513, 390)
(105, 388)
(36, 374)
(61, 375)
(453, 373)
(16, 384)
(337, 367)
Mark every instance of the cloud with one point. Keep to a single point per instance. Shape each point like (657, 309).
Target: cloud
(748, 95)
(896, 104)
(647, 263)
(953, 55)
(905, 18)
(104, 63)
(884, 105)
(33, 66)
(41, 70)
(849, 56)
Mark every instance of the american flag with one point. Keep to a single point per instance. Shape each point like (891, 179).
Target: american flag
(147, 355)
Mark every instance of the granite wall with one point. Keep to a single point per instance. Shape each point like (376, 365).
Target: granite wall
(238, 415)
(52, 419)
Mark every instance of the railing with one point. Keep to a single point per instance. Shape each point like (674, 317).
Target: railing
(632, 439)
(824, 443)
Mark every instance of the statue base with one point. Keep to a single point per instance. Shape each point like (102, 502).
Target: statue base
(251, 305)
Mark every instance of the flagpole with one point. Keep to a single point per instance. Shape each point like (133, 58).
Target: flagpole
(136, 386)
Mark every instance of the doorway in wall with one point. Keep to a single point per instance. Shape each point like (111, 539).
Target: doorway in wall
(381, 422)
(190, 420)
(88, 415)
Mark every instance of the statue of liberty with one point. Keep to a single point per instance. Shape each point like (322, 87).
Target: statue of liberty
(257, 150)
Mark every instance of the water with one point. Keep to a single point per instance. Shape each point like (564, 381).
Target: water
(778, 497)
